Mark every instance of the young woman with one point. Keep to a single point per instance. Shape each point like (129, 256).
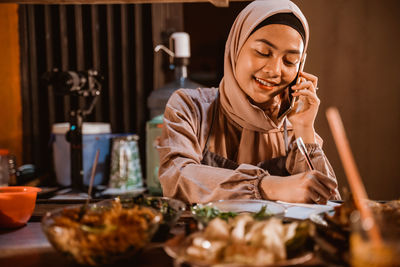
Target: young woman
(231, 142)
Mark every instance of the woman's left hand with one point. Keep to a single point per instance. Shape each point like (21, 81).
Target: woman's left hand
(306, 107)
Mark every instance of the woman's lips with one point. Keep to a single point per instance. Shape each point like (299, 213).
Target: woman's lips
(264, 84)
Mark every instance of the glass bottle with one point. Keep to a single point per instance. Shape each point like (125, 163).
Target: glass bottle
(4, 169)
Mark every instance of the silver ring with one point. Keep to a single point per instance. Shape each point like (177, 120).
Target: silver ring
(318, 199)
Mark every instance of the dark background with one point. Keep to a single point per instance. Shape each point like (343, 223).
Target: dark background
(354, 50)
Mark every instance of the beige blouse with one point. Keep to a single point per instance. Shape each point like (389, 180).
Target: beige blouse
(187, 122)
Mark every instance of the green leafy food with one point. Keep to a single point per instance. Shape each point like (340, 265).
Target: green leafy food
(262, 214)
(159, 204)
(207, 213)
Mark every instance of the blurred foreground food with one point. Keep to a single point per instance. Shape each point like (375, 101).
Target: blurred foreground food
(333, 238)
(101, 234)
(245, 240)
(171, 210)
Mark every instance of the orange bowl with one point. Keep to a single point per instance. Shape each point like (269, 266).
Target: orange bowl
(16, 205)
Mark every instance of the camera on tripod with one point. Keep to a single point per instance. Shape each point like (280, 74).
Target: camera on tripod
(79, 83)
(76, 84)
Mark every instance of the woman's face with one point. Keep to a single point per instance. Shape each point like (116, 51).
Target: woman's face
(268, 61)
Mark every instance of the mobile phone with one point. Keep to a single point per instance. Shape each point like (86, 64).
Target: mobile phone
(288, 103)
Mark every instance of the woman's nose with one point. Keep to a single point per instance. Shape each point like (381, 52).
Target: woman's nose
(273, 67)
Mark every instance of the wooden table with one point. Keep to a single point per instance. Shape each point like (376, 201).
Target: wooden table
(28, 246)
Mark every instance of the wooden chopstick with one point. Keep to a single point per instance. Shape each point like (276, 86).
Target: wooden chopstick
(96, 159)
(352, 174)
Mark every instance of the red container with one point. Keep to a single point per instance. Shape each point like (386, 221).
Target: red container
(17, 204)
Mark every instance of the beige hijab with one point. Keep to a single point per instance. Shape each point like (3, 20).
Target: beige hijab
(233, 100)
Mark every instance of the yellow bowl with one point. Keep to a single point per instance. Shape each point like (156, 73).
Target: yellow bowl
(17, 204)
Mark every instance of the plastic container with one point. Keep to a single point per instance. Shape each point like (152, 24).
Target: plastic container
(179, 43)
(94, 136)
(158, 98)
(153, 133)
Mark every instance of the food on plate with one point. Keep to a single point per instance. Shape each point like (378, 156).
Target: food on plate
(171, 210)
(205, 213)
(100, 234)
(245, 240)
(388, 211)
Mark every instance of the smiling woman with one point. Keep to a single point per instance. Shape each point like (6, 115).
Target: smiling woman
(228, 142)
(266, 67)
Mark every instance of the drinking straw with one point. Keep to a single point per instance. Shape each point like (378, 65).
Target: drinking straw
(352, 174)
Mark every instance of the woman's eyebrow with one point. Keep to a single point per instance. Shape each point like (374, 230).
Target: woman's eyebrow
(292, 51)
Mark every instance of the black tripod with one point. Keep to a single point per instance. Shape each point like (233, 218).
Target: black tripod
(77, 84)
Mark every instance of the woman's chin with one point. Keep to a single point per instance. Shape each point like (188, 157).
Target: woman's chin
(265, 98)
(260, 102)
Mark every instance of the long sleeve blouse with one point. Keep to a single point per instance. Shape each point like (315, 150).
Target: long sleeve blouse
(187, 123)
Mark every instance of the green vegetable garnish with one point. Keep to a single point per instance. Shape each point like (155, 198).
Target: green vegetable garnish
(167, 211)
(262, 214)
(207, 213)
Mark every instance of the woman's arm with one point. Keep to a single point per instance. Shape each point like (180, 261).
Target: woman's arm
(181, 173)
(303, 185)
(302, 120)
(296, 162)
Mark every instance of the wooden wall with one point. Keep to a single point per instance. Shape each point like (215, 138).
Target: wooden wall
(354, 50)
(10, 90)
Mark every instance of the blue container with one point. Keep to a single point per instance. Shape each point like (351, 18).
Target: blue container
(94, 136)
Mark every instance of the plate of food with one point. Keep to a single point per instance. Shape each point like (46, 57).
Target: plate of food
(244, 241)
(225, 209)
(100, 233)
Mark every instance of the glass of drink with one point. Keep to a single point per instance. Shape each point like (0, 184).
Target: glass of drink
(364, 252)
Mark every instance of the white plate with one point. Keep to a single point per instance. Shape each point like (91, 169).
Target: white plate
(302, 211)
(249, 205)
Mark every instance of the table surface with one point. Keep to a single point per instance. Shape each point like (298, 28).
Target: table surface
(28, 246)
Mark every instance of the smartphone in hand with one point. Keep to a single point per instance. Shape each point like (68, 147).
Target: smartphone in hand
(288, 103)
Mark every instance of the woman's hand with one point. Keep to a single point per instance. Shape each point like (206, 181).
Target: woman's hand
(306, 107)
(305, 187)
